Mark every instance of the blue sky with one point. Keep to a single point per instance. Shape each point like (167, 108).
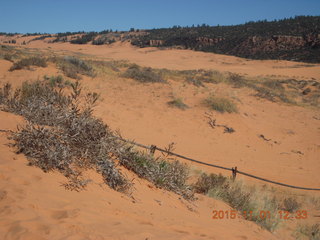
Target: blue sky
(95, 15)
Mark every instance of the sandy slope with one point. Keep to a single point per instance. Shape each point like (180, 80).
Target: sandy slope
(33, 205)
(188, 59)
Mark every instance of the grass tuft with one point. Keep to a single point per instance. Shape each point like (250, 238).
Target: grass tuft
(307, 231)
(171, 175)
(290, 204)
(143, 74)
(247, 200)
(178, 103)
(221, 104)
(72, 67)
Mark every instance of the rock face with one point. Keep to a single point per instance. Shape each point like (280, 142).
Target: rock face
(156, 43)
(282, 45)
(204, 41)
(283, 42)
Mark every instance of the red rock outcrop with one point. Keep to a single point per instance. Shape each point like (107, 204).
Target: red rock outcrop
(156, 42)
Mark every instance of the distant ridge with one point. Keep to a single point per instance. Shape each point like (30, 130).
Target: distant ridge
(294, 39)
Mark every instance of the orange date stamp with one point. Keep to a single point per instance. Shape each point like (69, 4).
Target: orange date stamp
(262, 214)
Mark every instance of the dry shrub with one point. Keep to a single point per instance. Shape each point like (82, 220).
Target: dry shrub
(171, 175)
(221, 104)
(143, 74)
(27, 62)
(72, 67)
(195, 81)
(273, 84)
(308, 231)
(206, 182)
(241, 197)
(237, 80)
(290, 204)
(178, 103)
(62, 134)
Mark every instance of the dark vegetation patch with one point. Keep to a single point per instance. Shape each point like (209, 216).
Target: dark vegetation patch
(41, 37)
(255, 40)
(85, 38)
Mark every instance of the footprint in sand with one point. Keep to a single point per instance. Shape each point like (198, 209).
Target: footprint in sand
(3, 194)
(61, 214)
(15, 231)
(6, 210)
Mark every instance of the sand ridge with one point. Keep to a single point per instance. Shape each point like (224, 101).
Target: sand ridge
(34, 205)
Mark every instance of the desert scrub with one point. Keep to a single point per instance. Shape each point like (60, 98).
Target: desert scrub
(27, 62)
(221, 104)
(237, 80)
(143, 74)
(56, 81)
(195, 81)
(198, 77)
(170, 175)
(273, 94)
(308, 231)
(273, 84)
(178, 103)
(290, 204)
(72, 67)
(240, 197)
(63, 135)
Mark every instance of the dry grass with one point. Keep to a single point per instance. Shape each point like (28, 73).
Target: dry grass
(171, 175)
(73, 67)
(290, 204)
(221, 104)
(241, 197)
(308, 231)
(178, 103)
(143, 74)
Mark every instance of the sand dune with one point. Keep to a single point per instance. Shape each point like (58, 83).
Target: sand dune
(34, 205)
(188, 59)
